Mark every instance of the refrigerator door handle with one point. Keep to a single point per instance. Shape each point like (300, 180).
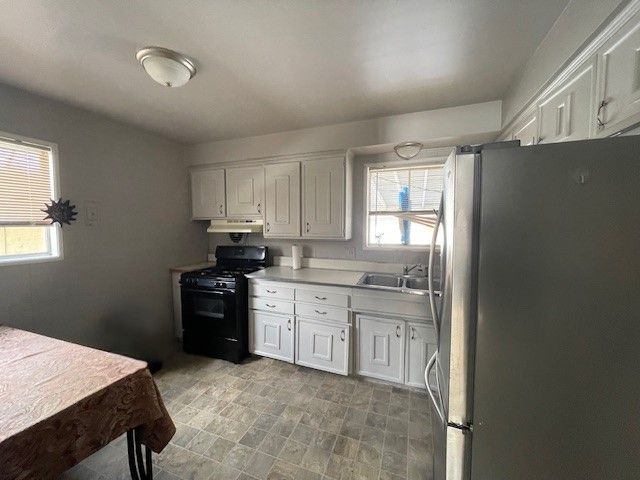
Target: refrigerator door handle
(427, 371)
(432, 298)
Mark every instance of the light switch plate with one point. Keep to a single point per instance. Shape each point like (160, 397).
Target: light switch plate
(91, 213)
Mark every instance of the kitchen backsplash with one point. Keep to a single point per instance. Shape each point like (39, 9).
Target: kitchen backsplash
(349, 250)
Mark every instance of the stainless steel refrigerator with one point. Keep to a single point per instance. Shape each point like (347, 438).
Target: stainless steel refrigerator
(538, 361)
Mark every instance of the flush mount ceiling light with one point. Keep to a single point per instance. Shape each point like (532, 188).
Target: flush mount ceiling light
(165, 66)
(408, 150)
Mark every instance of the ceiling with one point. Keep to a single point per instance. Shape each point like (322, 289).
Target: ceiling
(268, 66)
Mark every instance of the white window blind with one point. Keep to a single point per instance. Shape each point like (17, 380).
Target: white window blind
(412, 193)
(26, 182)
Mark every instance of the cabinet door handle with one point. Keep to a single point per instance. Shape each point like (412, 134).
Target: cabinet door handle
(320, 313)
(221, 209)
(308, 227)
(259, 208)
(270, 306)
(271, 291)
(602, 105)
(320, 298)
(342, 335)
(289, 324)
(413, 333)
(398, 329)
(268, 227)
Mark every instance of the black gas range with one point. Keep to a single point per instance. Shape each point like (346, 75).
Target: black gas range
(215, 304)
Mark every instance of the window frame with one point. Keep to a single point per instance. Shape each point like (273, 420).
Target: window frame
(54, 232)
(431, 159)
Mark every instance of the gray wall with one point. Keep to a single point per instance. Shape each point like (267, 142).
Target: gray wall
(112, 290)
(338, 249)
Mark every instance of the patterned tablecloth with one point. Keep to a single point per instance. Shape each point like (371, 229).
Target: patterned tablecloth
(61, 402)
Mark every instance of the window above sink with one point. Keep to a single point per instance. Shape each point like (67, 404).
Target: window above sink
(401, 203)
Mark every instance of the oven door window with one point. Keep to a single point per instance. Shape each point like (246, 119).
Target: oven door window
(212, 311)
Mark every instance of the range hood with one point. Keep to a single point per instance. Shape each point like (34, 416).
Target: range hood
(236, 225)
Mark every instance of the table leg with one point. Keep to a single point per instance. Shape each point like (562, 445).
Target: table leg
(139, 468)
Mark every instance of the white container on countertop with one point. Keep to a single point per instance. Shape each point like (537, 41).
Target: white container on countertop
(296, 257)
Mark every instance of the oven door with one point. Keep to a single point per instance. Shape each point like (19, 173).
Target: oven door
(211, 312)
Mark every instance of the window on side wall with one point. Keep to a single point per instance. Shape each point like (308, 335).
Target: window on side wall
(27, 182)
(402, 205)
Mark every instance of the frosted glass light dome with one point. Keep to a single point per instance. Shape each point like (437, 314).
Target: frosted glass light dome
(165, 66)
(408, 150)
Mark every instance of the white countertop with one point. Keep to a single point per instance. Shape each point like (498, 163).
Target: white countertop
(341, 278)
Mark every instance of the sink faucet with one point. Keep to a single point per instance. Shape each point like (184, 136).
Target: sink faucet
(407, 268)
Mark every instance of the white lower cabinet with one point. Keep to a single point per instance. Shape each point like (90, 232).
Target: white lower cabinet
(314, 327)
(421, 345)
(381, 348)
(271, 335)
(322, 345)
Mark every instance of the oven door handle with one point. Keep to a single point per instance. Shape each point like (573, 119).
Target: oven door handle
(213, 292)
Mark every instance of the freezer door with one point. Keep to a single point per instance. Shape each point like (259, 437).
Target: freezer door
(557, 394)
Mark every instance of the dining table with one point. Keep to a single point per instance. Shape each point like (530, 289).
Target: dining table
(60, 402)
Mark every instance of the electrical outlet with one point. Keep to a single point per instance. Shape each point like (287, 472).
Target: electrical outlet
(350, 251)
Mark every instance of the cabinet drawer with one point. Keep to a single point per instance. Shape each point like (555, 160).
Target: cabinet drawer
(323, 298)
(326, 312)
(271, 305)
(272, 291)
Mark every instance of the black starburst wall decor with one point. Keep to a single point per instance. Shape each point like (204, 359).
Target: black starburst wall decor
(60, 212)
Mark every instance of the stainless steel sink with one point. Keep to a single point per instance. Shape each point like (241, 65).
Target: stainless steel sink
(381, 280)
(396, 283)
(417, 283)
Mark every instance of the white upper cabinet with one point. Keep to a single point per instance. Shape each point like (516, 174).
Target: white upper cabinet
(282, 200)
(526, 131)
(323, 198)
(596, 95)
(245, 191)
(308, 198)
(567, 113)
(619, 80)
(207, 194)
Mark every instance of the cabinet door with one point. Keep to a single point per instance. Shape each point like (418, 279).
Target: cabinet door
(244, 191)
(323, 346)
(282, 200)
(619, 79)
(568, 113)
(207, 194)
(527, 131)
(323, 198)
(421, 345)
(271, 335)
(381, 348)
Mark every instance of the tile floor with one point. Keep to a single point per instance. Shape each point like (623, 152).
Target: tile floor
(270, 420)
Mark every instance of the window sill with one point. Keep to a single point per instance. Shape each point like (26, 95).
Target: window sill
(25, 260)
(401, 248)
